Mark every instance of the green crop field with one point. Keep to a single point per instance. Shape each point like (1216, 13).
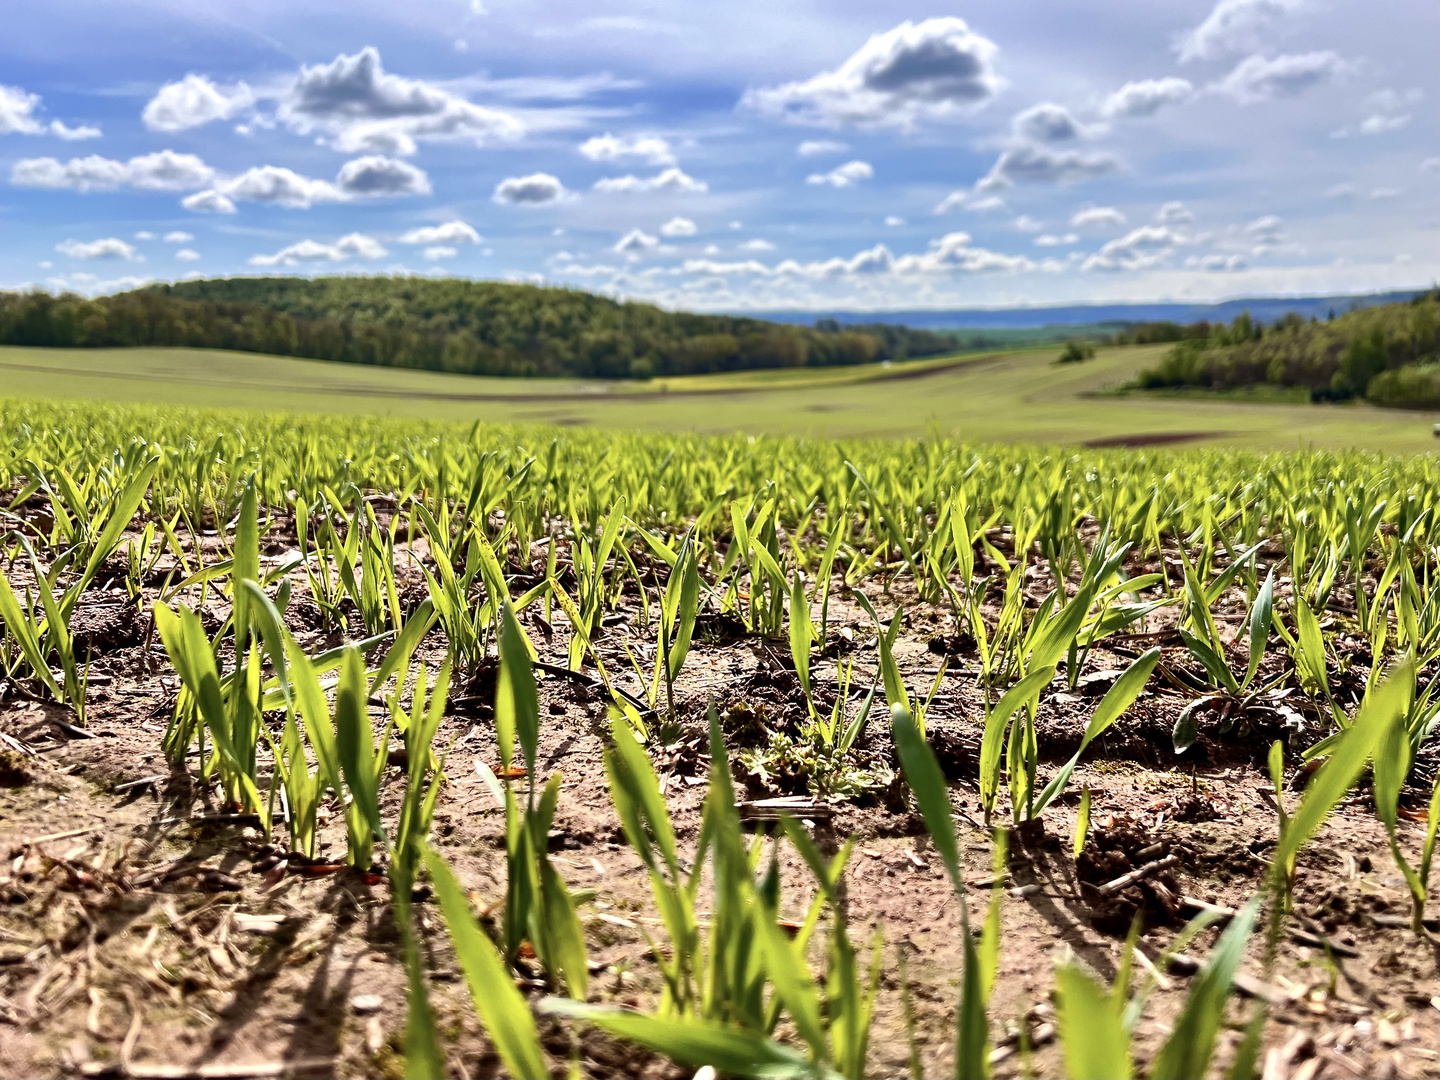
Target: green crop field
(678, 747)
(1003, 397)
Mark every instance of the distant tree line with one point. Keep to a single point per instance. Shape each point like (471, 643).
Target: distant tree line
(479, 328)
(1389, 354)
(902, 342)
(1155, 333)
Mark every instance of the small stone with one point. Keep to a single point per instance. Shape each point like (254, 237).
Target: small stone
(364, 1004)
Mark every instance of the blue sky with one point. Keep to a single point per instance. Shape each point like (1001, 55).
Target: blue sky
(737, 156)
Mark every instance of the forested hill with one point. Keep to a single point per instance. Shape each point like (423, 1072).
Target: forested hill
(481, 328)
(1389, 354)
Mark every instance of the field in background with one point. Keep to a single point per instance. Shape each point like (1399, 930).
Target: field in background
(998, 397)
(1102, 677)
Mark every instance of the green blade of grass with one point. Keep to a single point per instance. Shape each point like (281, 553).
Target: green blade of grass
(932, 794)
(517, 706)
(1311, 645)
(992, 743)
(423, 1058)
(564, 936)
(1187, 1051)
(972, 1026)
(729, 1050)
(121, 511)
(1054, 640)
(1117, 699)
(1096, 1044)
(1381, 709)
(634, 784)
(1262, 612)
(689, 600)
(498, 1003)
(1212, 661)
(416, 627)
(23, 630)
(793, 983)
(355, 741)
(800, 637)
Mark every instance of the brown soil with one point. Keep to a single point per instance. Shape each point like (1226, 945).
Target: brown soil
(144, 934)
(1152, 438)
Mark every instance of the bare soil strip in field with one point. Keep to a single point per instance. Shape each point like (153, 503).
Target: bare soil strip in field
(1153, 438)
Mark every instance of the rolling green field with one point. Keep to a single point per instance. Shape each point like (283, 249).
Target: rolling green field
(1015, 396)
(578, 675)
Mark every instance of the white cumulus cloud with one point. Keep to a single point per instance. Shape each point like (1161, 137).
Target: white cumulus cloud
(954, 252)
(162, 171)
(1379, 124)
(1257, 78)
(366, 177)
(208, 202)
(1232, 26)
(194, 101)
(950, 255)
(1046, 123)
(717, 268)
(1174, 213)
(279, 185)
(1138, 249)
(1265, 228)
(1216, 263)
(187, 255)
(1028, 164)
(1388, 119)
(167, 170)
(376, 176)
(79, 133)
(439, 251)
(636, 242)
(678, 226)
(1097, 217)
(672, 179)
(178, 237)
(18, 110)
(451, 232)
(110, 247)
(364, 108)
(820, 147)
(650, 149)
(353, 245)
(969, 200)
(847, 175)
(1146, 97)
(933, 69)
(533, 190)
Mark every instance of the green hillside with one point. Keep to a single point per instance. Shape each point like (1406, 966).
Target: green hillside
(1388, 354)
(1019, 396)
(452, 325)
